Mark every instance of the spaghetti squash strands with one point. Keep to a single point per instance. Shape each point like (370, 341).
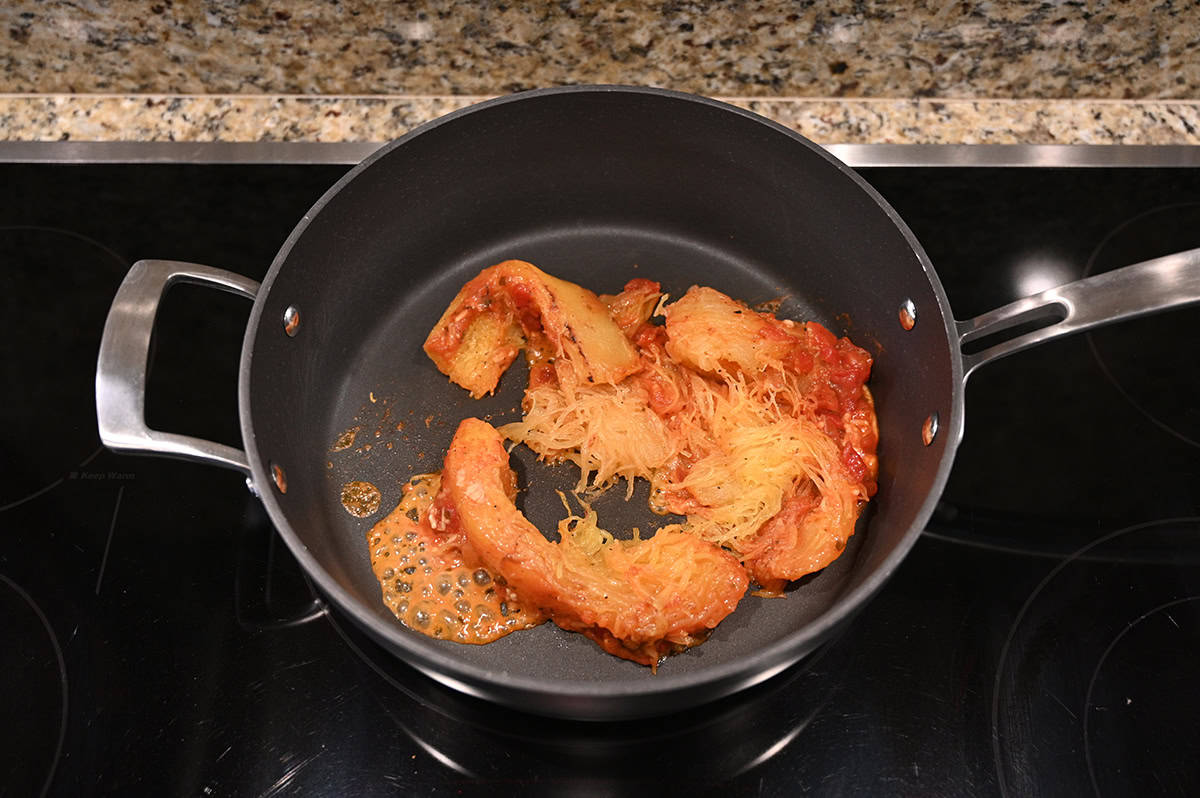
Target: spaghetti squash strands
(733, 416)
(610, 432)
(640, 599)
(760, 431)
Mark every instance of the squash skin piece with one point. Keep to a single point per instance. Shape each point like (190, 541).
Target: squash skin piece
(710, 332)
(806, 535)
(714, 334)
(638, 600)
(489, 321)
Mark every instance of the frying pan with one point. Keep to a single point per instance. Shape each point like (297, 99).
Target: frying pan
(595, 185)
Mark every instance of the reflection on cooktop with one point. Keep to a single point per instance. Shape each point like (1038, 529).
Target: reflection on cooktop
(1053, 451)
(483, 741)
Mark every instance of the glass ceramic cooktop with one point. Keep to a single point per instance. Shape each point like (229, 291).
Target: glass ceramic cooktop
(159, 638)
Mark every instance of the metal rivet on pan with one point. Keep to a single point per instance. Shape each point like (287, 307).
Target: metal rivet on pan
(279, 478)
(908, 314)
(929, 429)
(291, 321)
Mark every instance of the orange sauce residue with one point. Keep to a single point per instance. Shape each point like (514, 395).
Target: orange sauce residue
(428, 584)
(345, 440)
(360, 499)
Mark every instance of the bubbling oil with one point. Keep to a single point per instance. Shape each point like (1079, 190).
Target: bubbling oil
(427, 582)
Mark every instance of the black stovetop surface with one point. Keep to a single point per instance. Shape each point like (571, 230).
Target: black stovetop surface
(1042, 638)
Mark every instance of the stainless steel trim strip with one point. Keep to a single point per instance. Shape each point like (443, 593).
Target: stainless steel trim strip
(1018, 155)
(349, 152)
(183, 152)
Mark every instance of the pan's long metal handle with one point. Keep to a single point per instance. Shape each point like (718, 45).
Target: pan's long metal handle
(1149, 287)
(125, 349)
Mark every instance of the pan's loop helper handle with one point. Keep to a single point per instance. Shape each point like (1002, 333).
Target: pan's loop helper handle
(1152, 286)
(125, 350)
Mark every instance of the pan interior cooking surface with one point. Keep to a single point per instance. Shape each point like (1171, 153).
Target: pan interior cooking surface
(409, 391)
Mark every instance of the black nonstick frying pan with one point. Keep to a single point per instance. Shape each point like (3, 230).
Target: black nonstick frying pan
(595, 185)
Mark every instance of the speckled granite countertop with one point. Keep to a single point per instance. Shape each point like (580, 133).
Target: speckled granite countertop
(938, 72)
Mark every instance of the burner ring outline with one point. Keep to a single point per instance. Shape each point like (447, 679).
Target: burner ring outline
(62, 673)
(1002, 660)
(1087, 700)
(1090, 337)
(123, 262)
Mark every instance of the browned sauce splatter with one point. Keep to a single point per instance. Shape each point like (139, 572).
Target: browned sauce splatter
(429, 585)
(360, 498)
(346, 439)
(770, 305)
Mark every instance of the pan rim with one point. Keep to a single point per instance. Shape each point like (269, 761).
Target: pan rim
(600, 700)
